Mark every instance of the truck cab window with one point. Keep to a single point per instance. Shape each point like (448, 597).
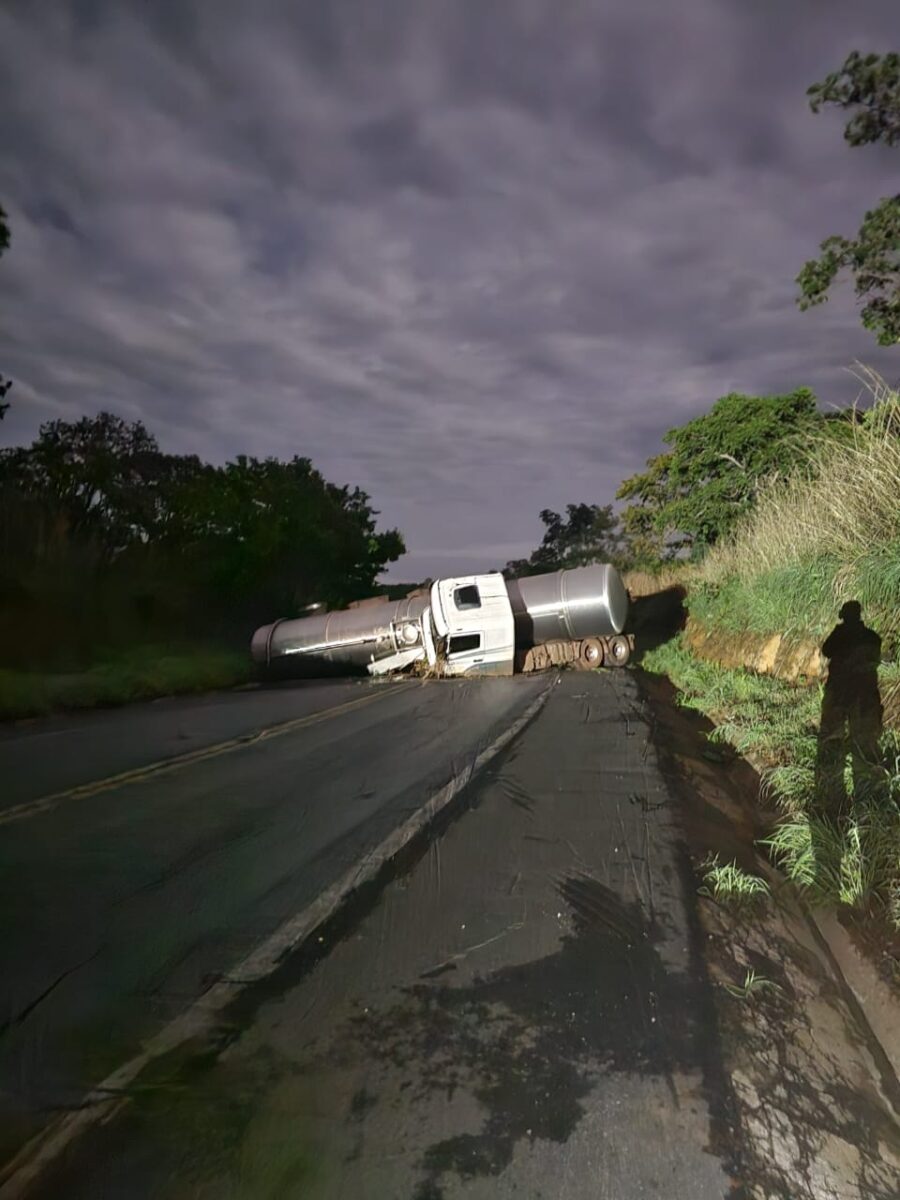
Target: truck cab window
(467, 597)
(461, 642)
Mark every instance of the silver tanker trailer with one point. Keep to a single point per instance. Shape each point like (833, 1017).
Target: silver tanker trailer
(469, 625)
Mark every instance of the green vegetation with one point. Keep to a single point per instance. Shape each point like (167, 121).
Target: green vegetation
(587, 534)
(693, 494)
(853, 861)
(827, 533)
(753, 984)
(109, 546)
(823, 530)
(871, 86)
(727, 883)
(139, 674)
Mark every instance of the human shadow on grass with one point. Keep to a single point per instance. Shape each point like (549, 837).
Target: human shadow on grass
(851, 723)
(850, 728)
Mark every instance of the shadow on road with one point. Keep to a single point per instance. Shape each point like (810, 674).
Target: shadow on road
(656, 619)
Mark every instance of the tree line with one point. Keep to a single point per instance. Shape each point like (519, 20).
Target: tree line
(105, 539)
(695, 491)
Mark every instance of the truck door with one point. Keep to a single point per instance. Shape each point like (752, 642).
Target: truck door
(474, 617)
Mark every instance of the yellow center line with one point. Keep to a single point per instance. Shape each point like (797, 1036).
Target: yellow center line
(32, 808)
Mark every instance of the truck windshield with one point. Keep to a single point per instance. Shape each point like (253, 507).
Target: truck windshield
(467, 597)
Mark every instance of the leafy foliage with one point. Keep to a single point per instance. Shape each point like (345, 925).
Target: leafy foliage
(870, 84)
(105, 476)
(104, 537)
(873, 257)
(826, 534)
(693, 493)
(730, 884)
(588, 533)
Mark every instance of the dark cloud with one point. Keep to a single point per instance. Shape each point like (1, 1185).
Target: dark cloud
(476, 258)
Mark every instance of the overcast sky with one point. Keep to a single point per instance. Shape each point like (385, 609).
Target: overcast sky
(475, 256)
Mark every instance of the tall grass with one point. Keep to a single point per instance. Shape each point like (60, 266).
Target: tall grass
(829, 533)
(645, 582)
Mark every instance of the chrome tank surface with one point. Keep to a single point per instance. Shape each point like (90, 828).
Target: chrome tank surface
(351, 637)
(573, 604)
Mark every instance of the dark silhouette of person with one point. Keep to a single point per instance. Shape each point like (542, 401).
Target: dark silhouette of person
(851, 721)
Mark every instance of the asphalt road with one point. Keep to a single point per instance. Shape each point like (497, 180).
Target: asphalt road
(119, 905)
(523, 1011)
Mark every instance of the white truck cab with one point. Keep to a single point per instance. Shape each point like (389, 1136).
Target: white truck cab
(473, 621)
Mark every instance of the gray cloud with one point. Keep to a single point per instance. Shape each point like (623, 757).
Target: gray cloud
(474, 257)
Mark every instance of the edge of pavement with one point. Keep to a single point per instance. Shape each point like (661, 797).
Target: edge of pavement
(106, 1099)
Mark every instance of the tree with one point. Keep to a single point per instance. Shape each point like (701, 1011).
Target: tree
(185, 544)
(276, 535)
(588, 533)
(871, 84)
(5, 384)
(105, 476)
(691, 494)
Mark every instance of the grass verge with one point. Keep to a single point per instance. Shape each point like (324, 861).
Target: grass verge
(828, 533)
(139, 674)
(853, 862)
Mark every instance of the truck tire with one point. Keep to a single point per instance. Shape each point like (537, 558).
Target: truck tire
(618, 651)
(591, 654)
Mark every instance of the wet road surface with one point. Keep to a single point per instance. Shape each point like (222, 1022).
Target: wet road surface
(117, 909)
(47, 755)
(522, 1012)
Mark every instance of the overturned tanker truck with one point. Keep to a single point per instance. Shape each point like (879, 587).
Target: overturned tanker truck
(470, 625)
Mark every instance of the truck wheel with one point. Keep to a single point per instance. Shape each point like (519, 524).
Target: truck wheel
(591, 653)
(618, 651)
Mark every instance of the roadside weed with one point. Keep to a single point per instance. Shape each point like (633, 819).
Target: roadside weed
(729, 884)
(752, 985)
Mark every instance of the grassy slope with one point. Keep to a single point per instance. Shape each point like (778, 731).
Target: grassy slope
(775, 724)
(139, 674)
(817, 540)
(813, 542)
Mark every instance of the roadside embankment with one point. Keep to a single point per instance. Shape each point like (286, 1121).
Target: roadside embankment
(144, 673)
(790, 644)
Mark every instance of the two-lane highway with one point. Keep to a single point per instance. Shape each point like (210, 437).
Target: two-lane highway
(521, 1011)
(145, 852)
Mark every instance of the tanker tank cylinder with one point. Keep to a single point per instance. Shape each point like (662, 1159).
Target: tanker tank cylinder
(581, 602)
(409, 634)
